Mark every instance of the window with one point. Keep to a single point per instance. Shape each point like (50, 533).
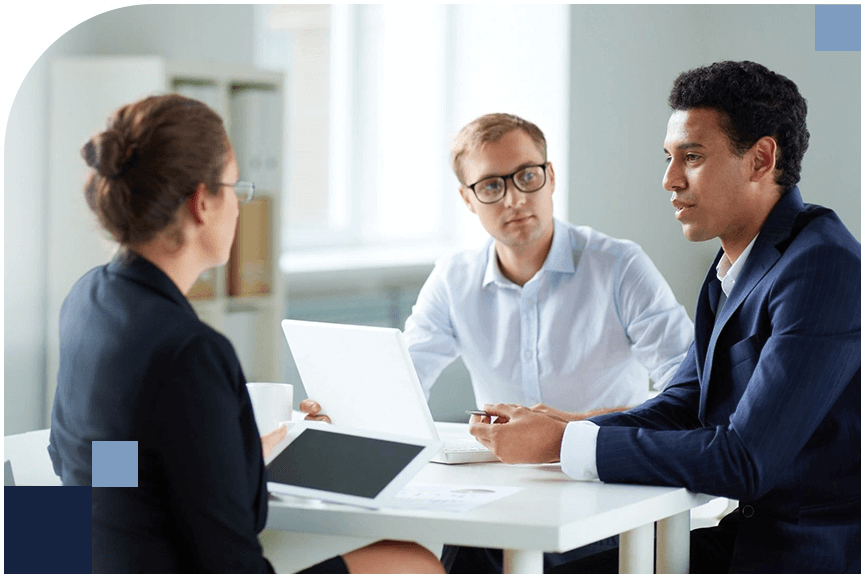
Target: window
(388, 104)
(376, 95)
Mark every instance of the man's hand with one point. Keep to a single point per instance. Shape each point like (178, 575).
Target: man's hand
(574, 415)
(519, 435)
(556, 413)
(269, 441)
(311, 408)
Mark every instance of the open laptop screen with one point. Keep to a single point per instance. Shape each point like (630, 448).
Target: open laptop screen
(363, 377)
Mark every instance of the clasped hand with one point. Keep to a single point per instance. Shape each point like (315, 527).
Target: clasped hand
(520, 435)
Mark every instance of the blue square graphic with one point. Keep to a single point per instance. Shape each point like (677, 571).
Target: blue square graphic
(115, 464)
(837, 27)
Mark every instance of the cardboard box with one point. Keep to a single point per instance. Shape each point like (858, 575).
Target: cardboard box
(204, 288)
(250, 268)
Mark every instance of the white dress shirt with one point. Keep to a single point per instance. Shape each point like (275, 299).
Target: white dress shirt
(728, 272)
(586, 332)
(580, 440)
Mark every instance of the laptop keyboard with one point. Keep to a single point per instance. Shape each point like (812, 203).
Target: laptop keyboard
(463, 446)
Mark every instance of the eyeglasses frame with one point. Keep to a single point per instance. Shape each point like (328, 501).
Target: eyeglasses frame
(249, 196)
(543, 167)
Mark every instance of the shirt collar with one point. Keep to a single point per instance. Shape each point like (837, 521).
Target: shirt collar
(493, 274)
(560, 259)
(728, 272)
(561, 256)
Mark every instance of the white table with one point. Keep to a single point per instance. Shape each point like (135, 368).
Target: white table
(553, 513)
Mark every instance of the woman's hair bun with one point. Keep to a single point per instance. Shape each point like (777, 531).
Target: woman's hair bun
(90, 154)
(108, 153)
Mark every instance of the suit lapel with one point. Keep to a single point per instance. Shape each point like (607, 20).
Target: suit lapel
(705, 316)
(764, 254)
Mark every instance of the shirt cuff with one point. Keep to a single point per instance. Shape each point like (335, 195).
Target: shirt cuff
(579, 449)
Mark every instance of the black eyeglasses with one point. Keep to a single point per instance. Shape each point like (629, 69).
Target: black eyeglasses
(528, 180)
(244, 190)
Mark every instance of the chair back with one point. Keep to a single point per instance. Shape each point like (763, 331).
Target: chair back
(27, 455)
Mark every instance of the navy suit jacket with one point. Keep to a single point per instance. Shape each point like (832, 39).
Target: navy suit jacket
(765, 408)
(136, 364)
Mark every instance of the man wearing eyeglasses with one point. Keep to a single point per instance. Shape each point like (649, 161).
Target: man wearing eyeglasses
(545, 314)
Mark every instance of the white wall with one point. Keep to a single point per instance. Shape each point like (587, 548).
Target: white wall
(623, 63)
(221, 33)
(25, 255)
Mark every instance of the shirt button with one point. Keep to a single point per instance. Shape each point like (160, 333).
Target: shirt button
(527, 354)
(748, 510)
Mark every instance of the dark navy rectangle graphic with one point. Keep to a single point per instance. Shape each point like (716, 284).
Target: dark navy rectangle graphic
(48, 530)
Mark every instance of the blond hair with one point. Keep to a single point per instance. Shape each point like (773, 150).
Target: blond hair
(490, 128)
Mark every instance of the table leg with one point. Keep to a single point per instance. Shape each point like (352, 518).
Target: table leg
(674, 544)
(523, 562)
(636, 550)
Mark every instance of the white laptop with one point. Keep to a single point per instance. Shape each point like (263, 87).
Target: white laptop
(364, 378)
(346, 465)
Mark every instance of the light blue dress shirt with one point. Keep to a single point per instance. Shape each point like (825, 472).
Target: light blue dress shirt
(580, 440)
(586, 332)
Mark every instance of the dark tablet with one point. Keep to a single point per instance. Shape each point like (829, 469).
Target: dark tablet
(364, 468)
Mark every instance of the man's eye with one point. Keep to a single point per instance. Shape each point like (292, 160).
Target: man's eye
(691, 157)
(527, 176)
(489, 186)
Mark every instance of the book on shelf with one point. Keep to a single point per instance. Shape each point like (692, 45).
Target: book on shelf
(250, 268)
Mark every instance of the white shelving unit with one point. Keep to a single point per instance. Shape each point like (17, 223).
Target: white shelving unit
(250, 103)
(84, 92)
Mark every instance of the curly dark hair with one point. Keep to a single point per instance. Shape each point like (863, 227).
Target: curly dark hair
(754, 102)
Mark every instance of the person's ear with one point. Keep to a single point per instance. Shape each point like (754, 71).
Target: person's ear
(551, 177)
(466, 193)
(200, 204)
(763, 164)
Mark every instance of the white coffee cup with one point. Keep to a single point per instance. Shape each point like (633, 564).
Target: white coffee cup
(271, 404)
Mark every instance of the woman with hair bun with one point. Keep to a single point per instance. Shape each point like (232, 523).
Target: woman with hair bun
(137, 364)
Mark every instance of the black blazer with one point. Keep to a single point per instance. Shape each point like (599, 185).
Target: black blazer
(136, 363)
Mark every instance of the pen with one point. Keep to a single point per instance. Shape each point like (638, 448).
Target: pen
(478, 412)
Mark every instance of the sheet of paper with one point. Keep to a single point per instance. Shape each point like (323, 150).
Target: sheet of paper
(449, 498)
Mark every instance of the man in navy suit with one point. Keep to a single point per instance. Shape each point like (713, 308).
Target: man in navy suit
(765, 408)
